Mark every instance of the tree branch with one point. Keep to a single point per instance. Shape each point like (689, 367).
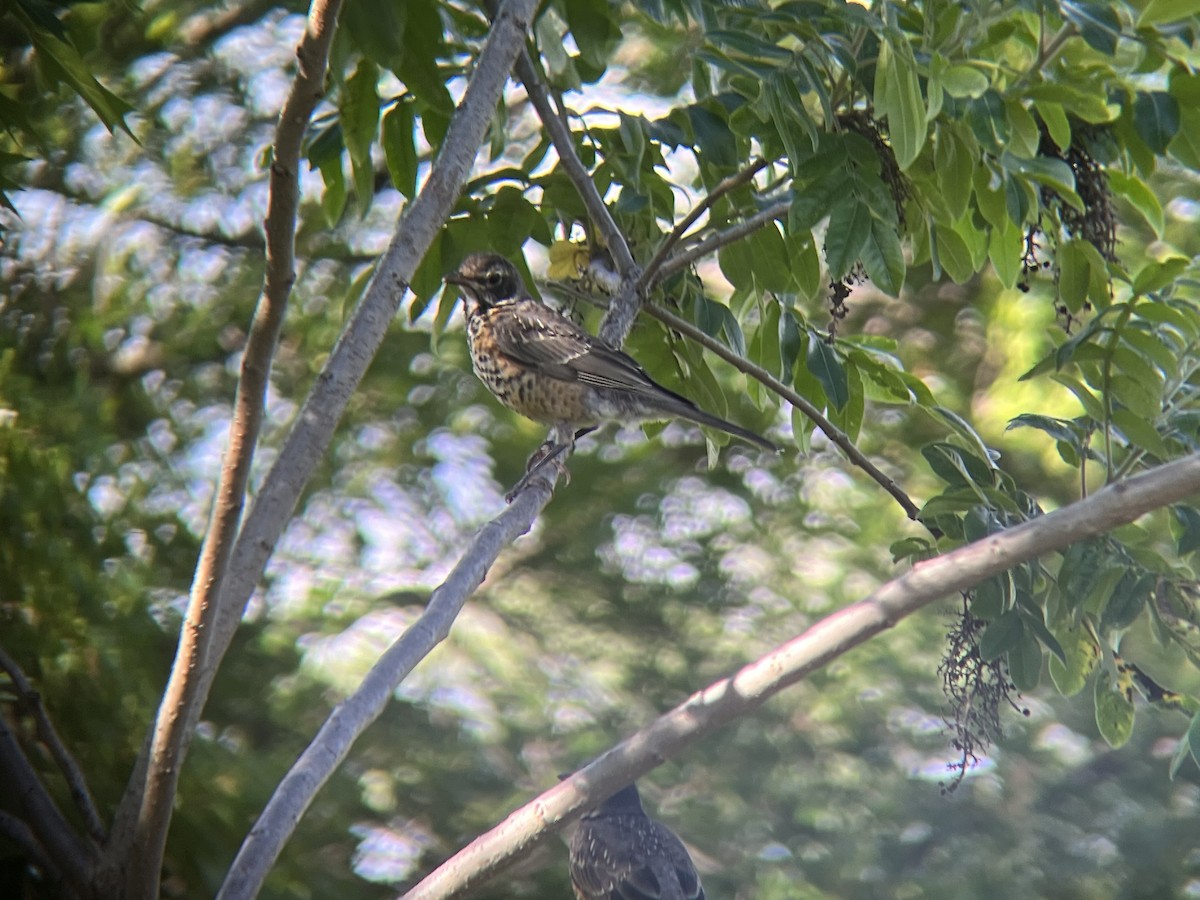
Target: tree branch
(627, 300)
(352, 717)
(72, 857)
(31, 700)
(730, 698)
(734, 233)
(726, 185)
(20, 834)
(364, 332)
(154, 797)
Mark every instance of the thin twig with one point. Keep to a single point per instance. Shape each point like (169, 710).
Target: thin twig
(723, 187)
(172, 733)
(623, 310)
(353, 715)
(554, 121)
(736, 696)
(736, 232)
(72, 856)
(766, 379)
(31, 701)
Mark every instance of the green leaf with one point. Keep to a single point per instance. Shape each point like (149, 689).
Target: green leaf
(1006, 246)
(1189, 744)
(1156, 117)
(1154, 276)
(360, 123)
(1001, 636)
(1114, 711)
(1025, 663)
(849, 228)
(1140, 432)
(953, 254)
(1082, 657)
(823, 362)
(595, 30)
(791, 341)
(400, 148)
(1140, 197)
(883, 257)
(1188, 518)
(1126, 601)
(898, 99)
(1097, 24)
(1074, 275)
(1056, 122)
(962, 80)
(1163, 12)
(60, 61)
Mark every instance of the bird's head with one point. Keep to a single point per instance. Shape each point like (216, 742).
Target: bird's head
(486, 279)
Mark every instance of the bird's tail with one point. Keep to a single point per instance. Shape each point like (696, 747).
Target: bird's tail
(700, 417)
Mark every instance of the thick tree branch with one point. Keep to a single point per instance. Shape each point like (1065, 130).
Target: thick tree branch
(155, 796)
(650, 273)
(72, 857)
(31, 702)
(313, 429)
(730, 698)
(351, 717)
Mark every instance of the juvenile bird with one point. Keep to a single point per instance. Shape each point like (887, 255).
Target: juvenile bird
(620, 853)
(545, 367)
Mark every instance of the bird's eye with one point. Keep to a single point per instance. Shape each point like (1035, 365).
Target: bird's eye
(494, 278)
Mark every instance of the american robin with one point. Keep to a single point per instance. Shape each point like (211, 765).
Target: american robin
(620, 853)
(545, 367)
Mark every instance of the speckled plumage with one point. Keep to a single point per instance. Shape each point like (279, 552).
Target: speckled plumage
(545, 367)
(620, 853)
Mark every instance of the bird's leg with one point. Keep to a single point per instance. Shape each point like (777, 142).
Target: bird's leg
(548, 453)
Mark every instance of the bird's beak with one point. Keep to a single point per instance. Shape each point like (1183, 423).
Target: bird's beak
(456, 279)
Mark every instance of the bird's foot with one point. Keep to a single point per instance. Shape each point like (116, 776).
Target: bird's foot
(546, 455)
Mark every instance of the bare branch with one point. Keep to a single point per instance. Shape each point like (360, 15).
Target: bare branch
(626, 301)
(564, 144)
(724, 187)
(31, 701)
(172, 729)
(734, 233)
(351, 718)
(730, 698)
(72, 856)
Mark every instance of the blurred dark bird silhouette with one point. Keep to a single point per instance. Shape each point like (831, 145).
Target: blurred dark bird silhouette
(620, 853)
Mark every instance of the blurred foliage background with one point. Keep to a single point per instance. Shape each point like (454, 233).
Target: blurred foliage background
(130, 269)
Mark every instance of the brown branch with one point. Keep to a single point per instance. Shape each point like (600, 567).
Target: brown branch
(724, 187)
(766, 379)
(714, 242)
(72, 856)
(736, 696)
(31, 701)
(154, 797)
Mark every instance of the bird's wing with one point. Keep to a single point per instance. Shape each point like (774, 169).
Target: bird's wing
(536, 335)
(681, 862)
